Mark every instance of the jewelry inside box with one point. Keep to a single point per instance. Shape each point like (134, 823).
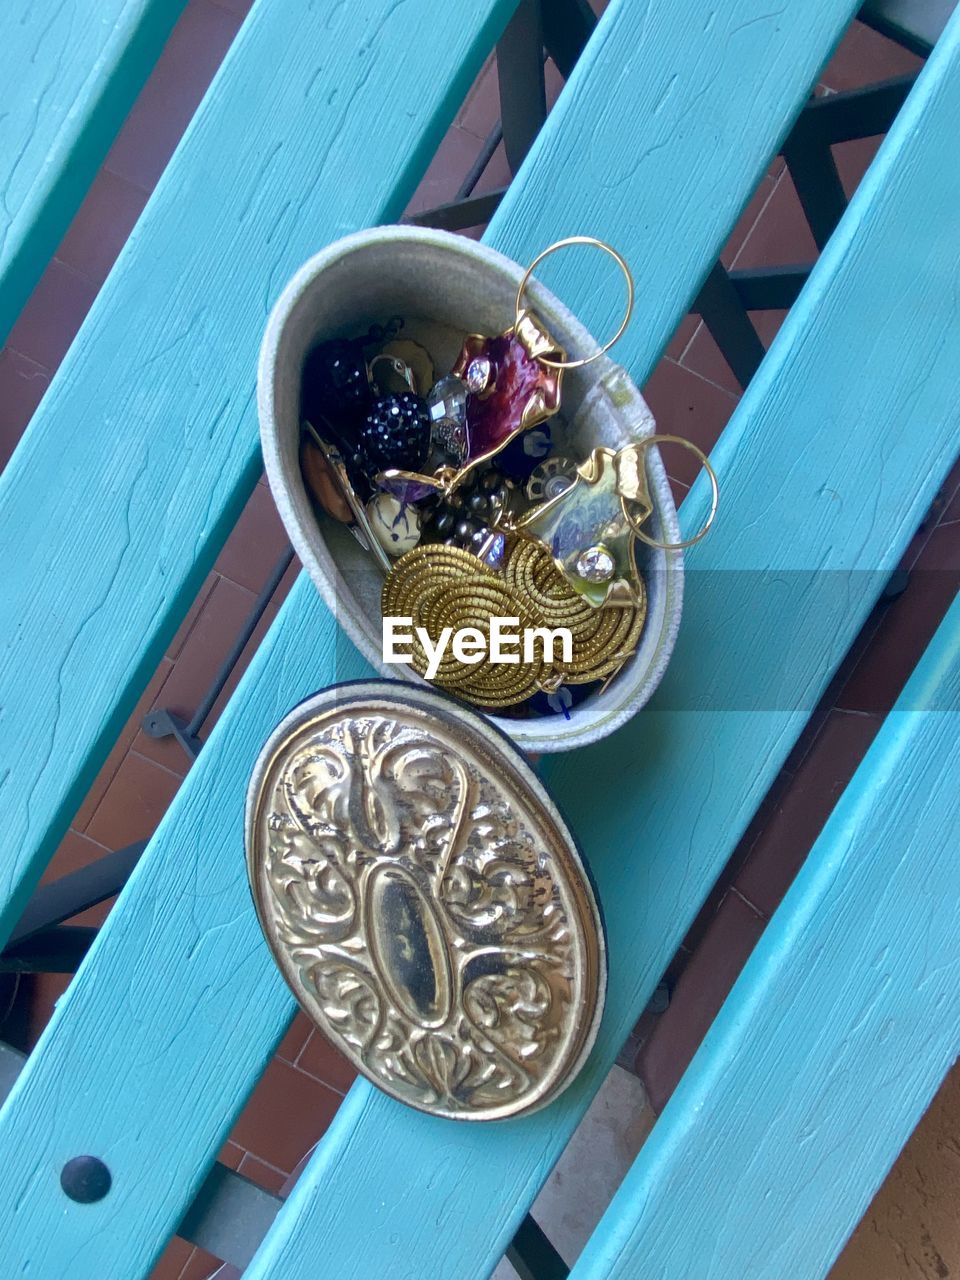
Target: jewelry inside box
(454, 486)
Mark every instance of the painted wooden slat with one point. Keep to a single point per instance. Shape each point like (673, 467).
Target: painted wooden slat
(69, 73)
(139, 460)
(171, 1018)
(219, 1005)
(661, 136)
(833, 1041)
(831, 460)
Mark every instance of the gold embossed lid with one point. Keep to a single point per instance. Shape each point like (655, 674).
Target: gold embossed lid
(425, 900)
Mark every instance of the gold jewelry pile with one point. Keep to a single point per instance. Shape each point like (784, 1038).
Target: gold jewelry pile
(440, 586)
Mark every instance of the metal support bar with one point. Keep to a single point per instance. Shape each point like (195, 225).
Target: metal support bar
(523, 94)
(475, 210)
(56, 950)
(492, 141)
(60, 899)
(460, 213)
(233, 657)
(567, 26)
(769, 288)
(165, 724)
(814, 172)
(162, 723)
(532, 1255)
(727, 297)
(824, 122)
(857, 113)
(723, 313)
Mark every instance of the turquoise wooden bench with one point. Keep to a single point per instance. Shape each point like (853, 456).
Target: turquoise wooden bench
(69, 81)
(130, 476)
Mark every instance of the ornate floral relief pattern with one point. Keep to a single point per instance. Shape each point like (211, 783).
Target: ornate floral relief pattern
(422, 918)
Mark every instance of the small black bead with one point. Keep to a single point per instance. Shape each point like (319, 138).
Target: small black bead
(466, 529)
(479, 503)
(444, 522)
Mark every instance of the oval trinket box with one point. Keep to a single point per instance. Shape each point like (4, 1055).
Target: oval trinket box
(465, 308)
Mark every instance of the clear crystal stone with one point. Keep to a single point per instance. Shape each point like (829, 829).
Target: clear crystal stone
(596, 564)
(478, 374)
(447, 407)
(448, 400)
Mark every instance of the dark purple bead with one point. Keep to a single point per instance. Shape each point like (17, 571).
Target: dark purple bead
(335, 390)
(395, 434)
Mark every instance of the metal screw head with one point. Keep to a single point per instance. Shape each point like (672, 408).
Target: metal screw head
(85, 1179)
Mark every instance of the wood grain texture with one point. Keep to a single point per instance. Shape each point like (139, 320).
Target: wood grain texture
(657, 143)
(179, 1004)
(69, 72)
(834, 1039)
(173, 1015)
(150, 426)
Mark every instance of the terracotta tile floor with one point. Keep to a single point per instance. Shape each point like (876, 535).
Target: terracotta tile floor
(691, 392)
